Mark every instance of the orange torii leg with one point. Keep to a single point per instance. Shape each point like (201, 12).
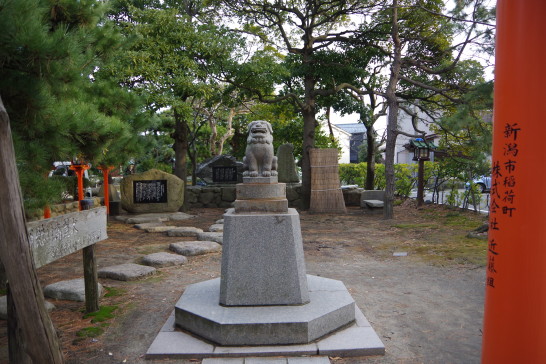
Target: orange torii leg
(515, 297)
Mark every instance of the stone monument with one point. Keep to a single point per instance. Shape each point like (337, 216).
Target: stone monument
(152, 191)
(264, 298)
(286, 164)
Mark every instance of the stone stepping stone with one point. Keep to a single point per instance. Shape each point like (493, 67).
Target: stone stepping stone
(155, 217)
(144, 219)
(191, 248)
(4, 307)
(158, 229)
(216, 228)
(221, 221)
(71, 290)
(126, 272)
(164, 259)
(180, 216)
(211, 236)
(148, 225)
(184, 231)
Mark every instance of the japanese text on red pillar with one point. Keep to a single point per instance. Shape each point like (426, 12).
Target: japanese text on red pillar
(502, 193)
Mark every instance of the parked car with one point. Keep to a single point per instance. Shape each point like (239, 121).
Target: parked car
(483, 182)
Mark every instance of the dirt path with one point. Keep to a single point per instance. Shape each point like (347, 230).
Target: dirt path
(427, 307)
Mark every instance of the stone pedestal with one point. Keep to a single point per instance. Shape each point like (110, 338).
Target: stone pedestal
(262, 260)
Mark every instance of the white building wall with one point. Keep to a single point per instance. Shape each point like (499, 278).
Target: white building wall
(344, 140)
(401, 155)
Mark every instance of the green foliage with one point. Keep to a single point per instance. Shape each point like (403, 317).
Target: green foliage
(405, 176)
(103, 314)
(113, 292)
(91, 331)
(50, 54)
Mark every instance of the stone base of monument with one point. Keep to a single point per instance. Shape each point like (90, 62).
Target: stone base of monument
(355, 339)
(330, 307)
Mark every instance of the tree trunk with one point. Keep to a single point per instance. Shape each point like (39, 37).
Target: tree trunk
(180, 147)
(309, 124)
(16, 340)
(392, 119)
(39, 339)
(3, 277)
(370, 157)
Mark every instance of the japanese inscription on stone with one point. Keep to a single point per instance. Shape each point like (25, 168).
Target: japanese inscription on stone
(152, 191)
(503, 194)
(60, 236)
(224, 174)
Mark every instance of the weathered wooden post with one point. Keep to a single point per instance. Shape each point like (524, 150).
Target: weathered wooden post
(39, 339)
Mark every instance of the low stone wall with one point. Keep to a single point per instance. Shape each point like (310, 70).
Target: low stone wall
(224, 196)
(60, 209)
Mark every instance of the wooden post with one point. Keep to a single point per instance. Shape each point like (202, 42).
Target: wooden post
(39, 339)
(91, 279)
(515, 296)
(421, 183)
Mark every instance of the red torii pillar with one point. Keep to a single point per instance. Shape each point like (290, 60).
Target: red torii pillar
(79, 169)
(515, 298)
(106, 191)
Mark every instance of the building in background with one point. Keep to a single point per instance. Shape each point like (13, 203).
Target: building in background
(358, 135)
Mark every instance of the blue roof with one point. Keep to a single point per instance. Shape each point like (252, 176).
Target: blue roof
(352, 128)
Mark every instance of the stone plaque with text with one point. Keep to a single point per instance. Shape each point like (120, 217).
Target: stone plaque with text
(150, 191)
(224, 174)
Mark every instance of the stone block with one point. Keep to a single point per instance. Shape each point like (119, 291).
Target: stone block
(152, 191)
(126, 272)
(352, 196)
(184, 231)
(71, 290)
(374, 203)
(206, 197)
(372, 195)
(262, 260)
(330, 307)
(247, 191)
(265, 361)
(216, 228)
(164, 259)
(309, 360)
(355, 341)
(191, 248)
(178, 345)
(261, 205)
(228, 194)
(272, 179)
(217, 237)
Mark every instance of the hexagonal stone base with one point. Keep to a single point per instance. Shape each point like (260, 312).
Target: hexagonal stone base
(331, 307)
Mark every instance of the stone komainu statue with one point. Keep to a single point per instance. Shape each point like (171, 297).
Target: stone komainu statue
(259, 160)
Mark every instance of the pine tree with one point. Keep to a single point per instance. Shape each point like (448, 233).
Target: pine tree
(50, 55)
